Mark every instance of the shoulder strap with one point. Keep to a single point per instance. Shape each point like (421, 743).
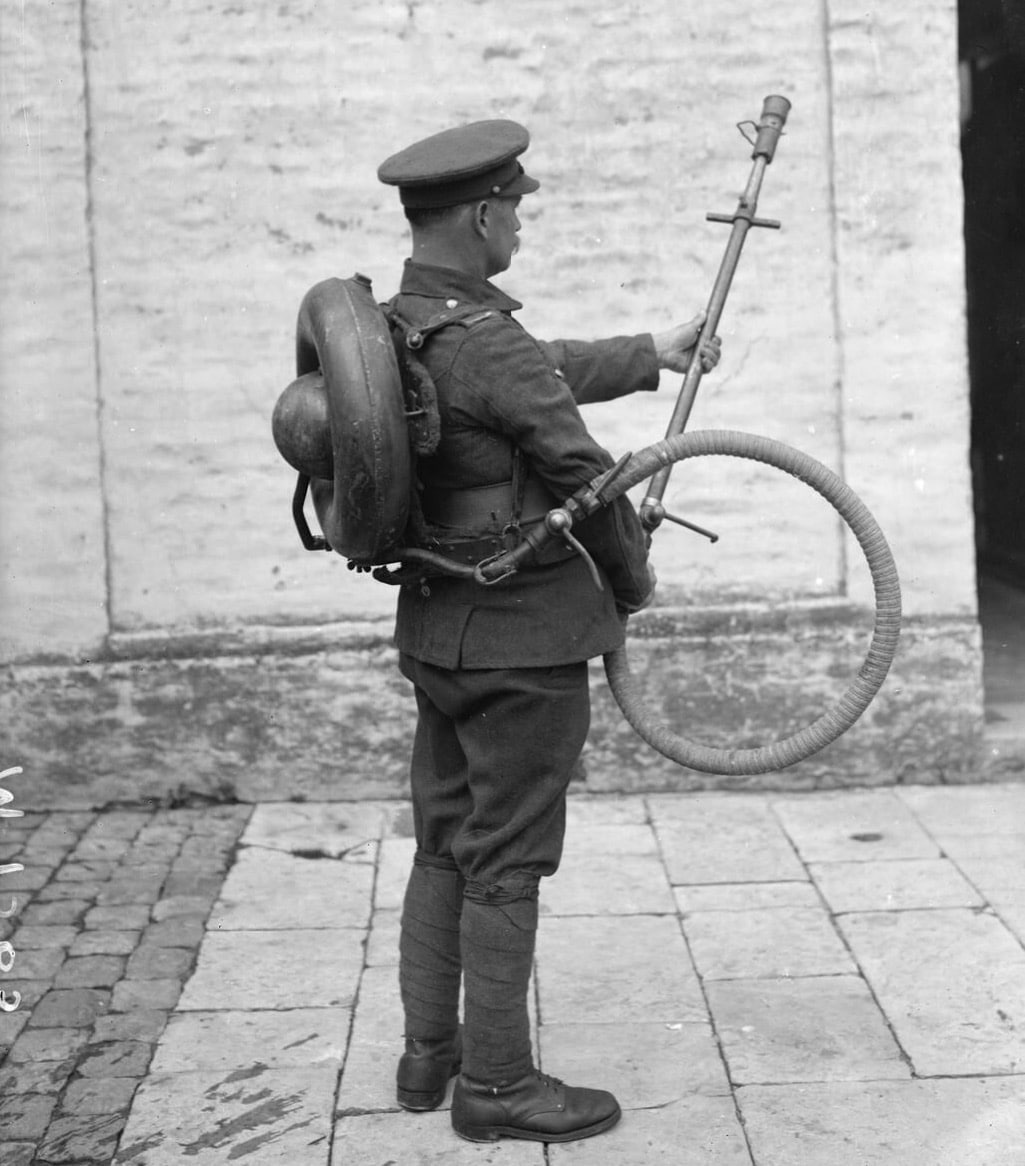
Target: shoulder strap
(415, 336)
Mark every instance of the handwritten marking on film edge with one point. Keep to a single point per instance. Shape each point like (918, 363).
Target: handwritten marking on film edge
(7, 952)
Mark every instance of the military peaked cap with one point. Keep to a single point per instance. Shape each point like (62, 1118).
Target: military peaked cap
(463, 164)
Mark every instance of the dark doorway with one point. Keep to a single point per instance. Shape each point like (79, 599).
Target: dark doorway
(992, 54)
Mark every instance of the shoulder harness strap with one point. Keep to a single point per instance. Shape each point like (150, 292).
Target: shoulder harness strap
(421, 402)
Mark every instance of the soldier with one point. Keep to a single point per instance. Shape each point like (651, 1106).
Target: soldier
(500, 672)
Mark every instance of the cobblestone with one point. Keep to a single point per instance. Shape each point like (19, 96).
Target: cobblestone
(29, 879)
(111, 849)
(190, 906)
(11, 1023)
(37, 963)
(70, 1008)
(76, 893)
(80, 1139)
(32, 991)
(104, 943)
(119, 824)
(152, 962)
(160, 994)
(179, 931)
(26, 1115)
(141, 890)
(42, 934)
(98, 971)
(47, 1044)
(116, 1059)
(90, 872)
(90, 971)
(129, 916)
(36, 1077)
(106, 1094)
(142, 1024)
(193, 883)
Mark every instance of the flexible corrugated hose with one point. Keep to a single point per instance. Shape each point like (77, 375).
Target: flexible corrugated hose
(886, 632)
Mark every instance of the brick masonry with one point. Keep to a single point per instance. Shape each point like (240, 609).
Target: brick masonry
(169, 208)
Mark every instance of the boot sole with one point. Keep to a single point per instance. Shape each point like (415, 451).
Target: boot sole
(493, 1133)
(420, 1102)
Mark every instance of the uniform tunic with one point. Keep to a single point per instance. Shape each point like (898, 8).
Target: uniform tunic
(500, 389)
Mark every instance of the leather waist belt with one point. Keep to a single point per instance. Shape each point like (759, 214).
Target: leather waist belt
(473, 523)
(485, 509)
(474, 550)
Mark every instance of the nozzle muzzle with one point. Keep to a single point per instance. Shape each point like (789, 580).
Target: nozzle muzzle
(770, 126)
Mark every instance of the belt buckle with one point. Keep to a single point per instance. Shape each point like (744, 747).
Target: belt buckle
(478, 571)
(511, 535)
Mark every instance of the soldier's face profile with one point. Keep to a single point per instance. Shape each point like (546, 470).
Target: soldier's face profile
(503, 240)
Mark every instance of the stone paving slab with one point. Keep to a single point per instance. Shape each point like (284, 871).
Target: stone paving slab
(608, 874)
(587, 967)
(265, 1117)
(276, 969)
(332, 829)
(968, 1122)
(855, 825)
(644, 1064)
(368, 1079)
(383, 943)
(788, 941)
(393, 872)
(722, 839)
(602, 841)
(308, 893)
(230, 1040)
(411, 1139)
(745, 897)
(818, 1029)
(951, 982)
(1012, 915)
(965, 810)
(698, 1131)
(998, 879)
(893, 885)
(606, 810)
(958, 846)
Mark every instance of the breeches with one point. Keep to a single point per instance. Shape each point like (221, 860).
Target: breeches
(493, 755)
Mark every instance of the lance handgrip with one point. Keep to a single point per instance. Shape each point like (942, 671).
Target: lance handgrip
(769, 128)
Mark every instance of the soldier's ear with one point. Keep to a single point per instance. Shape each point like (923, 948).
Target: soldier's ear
(482, 218)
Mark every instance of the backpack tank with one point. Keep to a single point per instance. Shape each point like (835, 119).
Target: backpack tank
(342, 423)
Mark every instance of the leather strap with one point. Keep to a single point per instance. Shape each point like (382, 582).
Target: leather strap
(474, 550)
(486, 509)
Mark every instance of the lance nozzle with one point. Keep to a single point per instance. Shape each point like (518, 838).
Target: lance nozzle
(770, 126)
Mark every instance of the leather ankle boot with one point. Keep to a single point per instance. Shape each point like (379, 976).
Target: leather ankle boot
(536, 1107)
(424, 1071)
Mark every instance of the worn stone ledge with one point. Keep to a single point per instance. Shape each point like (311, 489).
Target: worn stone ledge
(322, 712)
(694, 622)
(688, 622)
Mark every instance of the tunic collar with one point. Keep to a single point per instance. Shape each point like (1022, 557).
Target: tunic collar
(446, 283)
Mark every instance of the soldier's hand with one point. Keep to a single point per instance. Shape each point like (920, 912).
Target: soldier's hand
(627, 609)
(674, 347)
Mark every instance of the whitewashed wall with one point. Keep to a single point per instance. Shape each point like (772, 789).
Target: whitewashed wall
(176, 176)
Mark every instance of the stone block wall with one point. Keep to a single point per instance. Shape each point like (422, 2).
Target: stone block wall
(176, 177)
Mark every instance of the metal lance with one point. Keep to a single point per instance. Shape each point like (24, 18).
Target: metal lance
(767, 134)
